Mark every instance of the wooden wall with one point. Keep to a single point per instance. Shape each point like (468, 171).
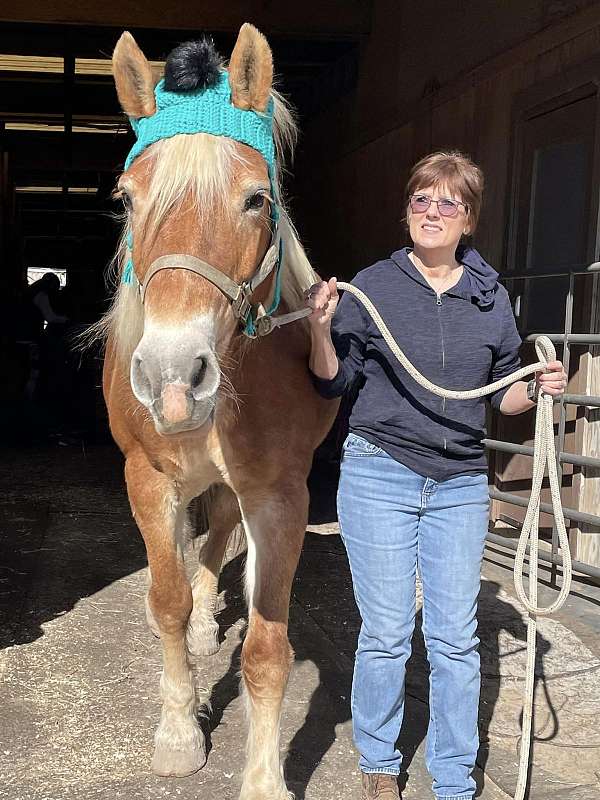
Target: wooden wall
(417, 93)
(322, 19)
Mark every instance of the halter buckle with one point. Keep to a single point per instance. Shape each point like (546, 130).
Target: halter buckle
(264, 325)
(241, 304)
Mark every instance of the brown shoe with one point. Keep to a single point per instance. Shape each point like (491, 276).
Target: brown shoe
(379, 786)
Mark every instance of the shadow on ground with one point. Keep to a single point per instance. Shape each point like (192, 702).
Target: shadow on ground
(65, 533)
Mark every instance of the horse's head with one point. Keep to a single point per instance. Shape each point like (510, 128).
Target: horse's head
(200, 189)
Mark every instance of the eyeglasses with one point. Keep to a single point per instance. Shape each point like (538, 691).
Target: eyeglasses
(420, 203)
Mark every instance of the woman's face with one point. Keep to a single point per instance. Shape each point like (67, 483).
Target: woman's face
(431, 229)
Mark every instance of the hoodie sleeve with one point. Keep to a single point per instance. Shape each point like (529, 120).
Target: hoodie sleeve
(506, 358)
(349, 336)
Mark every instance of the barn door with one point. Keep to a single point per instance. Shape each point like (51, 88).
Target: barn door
(553, 231)
(553, 225)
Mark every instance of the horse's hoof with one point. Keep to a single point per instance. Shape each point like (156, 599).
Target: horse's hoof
(177, 763)
(262, 793)
(203, 637)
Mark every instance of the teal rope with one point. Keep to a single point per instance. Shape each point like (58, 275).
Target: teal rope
(128, 273)
(127, 276)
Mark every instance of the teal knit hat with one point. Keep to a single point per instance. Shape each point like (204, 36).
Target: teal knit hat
(205, 110)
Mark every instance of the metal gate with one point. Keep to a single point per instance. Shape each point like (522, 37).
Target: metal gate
(567, 339)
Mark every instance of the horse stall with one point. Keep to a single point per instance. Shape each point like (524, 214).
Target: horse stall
(176, 608)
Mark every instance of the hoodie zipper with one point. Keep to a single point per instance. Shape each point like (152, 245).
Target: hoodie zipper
(438, 303)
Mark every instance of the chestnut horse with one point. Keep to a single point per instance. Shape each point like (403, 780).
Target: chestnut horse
(197, 400)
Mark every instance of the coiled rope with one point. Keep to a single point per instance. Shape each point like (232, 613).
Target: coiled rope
(544, 456)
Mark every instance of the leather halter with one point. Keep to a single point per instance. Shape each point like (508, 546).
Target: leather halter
(255, 319)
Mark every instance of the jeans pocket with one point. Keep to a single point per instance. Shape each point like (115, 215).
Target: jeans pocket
(356, 446)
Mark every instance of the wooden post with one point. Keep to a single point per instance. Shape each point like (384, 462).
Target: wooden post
(586, 484)
(4, 277)
(69, 84)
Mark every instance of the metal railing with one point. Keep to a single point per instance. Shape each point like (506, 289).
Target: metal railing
(567, 339)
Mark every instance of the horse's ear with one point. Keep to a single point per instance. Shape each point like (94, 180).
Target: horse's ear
(133, 78)
(251, 70)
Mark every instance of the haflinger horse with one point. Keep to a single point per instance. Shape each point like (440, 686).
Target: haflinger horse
(200, 399)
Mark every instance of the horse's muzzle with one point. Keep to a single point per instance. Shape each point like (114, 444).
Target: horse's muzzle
(176, 380)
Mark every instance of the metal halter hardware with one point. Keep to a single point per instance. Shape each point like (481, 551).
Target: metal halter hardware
(239, 294)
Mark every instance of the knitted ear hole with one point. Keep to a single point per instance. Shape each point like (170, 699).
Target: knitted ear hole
(251, 70)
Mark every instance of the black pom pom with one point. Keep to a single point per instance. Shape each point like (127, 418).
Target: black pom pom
(192, 65)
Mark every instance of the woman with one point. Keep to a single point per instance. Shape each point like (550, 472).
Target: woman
(413, 490)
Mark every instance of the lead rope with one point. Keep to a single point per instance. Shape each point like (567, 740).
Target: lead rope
(544, 455)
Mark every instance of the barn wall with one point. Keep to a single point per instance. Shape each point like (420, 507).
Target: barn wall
(421, 88)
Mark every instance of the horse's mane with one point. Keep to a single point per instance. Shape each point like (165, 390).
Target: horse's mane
(199, 166)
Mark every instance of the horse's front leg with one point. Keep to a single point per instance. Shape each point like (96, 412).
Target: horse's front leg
(203, 629)
(179, 743)
(275, 525)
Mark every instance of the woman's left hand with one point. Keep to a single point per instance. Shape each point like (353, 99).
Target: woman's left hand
(553, 380)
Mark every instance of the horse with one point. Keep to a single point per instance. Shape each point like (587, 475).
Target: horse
(201, 401)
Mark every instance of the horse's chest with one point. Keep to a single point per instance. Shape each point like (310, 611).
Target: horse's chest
(195, 466)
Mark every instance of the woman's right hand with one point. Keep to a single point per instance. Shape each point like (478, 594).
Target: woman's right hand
(323, 298)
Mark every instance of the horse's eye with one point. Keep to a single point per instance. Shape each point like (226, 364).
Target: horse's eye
(255, 202)
(126, 199)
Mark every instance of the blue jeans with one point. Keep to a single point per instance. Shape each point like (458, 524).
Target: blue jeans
(393, 521)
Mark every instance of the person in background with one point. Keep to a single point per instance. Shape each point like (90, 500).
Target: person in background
(43, 328)
(44, 295)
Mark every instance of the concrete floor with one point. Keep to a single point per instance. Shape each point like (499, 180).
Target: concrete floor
(79, 669)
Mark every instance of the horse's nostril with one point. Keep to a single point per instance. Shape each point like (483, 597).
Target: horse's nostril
(140, 382)
(198, 373)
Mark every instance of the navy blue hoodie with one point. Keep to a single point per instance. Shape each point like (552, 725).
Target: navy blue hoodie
(462, 339)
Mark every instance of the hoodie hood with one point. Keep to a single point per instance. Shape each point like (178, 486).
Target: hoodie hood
(478, 283)
(483, 279)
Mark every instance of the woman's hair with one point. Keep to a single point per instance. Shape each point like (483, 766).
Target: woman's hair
(455, 171)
